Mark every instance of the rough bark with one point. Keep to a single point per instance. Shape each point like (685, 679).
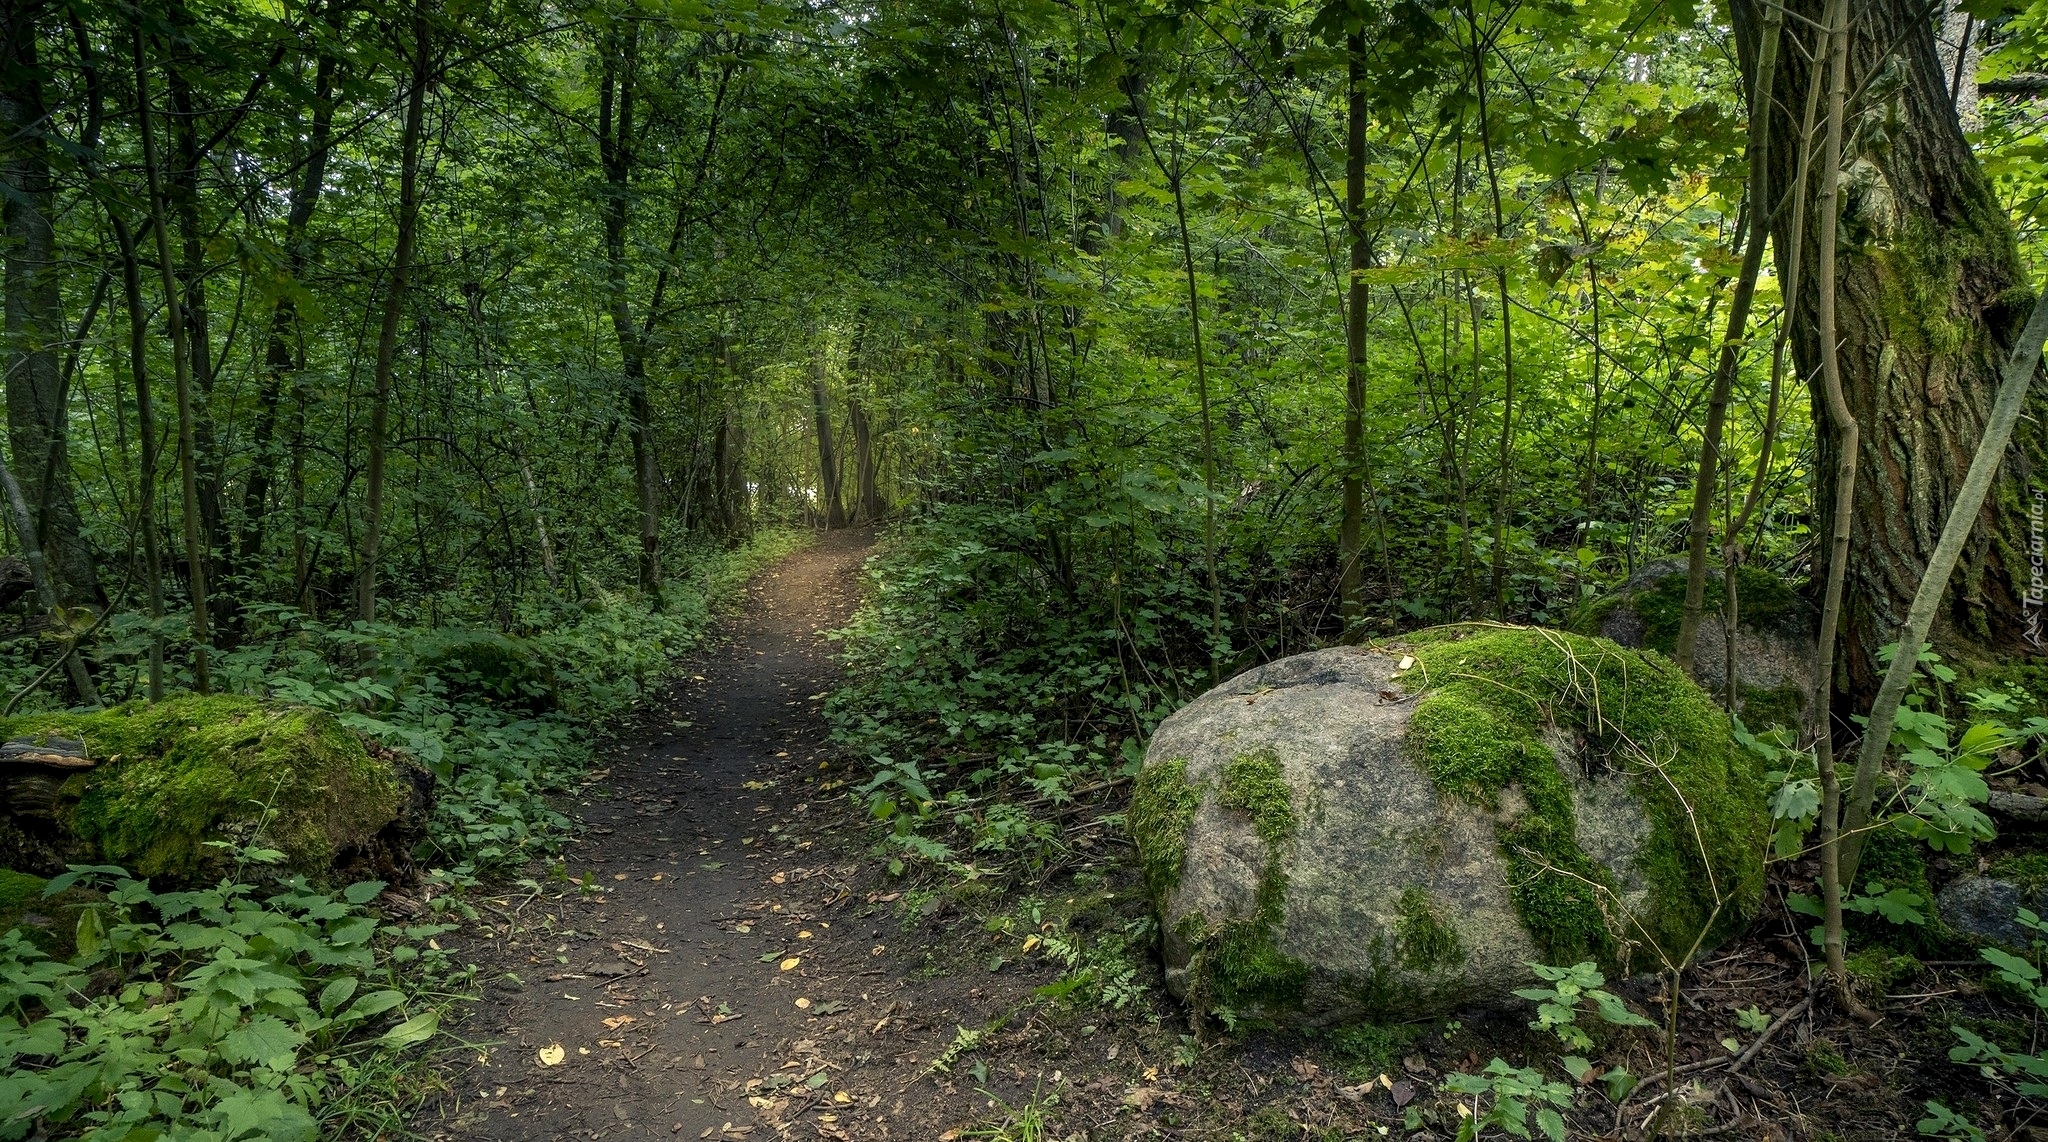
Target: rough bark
(1931, 297)
(1962, 47)
(36, 420)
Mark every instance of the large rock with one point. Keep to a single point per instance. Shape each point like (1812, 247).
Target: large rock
(165, 779)
(1773, 635)
(1402, 829)
(1987, 909)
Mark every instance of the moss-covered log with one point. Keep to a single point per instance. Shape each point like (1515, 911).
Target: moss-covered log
(171, 778)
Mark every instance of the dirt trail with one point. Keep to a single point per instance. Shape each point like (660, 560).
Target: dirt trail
(719, 942)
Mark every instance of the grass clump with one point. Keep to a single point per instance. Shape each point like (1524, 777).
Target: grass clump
(1497, 697)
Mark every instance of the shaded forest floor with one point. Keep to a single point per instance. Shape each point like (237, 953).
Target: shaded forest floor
(721, 955)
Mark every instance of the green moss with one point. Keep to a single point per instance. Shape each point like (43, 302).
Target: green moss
(1764, 707)
(1244, 970)
(179, 773)
(1163, 805)
(50, 924)
(1365, 1050)
(1238, 965)
(19, 892)
(1254, 785)
(2027, 871)
(1427, 941)
(1490, 695)
(1917, 286)
(1876, 970)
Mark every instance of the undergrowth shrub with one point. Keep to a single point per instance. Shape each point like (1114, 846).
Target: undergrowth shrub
(216, 1014)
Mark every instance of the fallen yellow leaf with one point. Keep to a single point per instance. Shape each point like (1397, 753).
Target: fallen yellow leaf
(790, 963)
(842, 1098)
(803, 1004)
(1031, 942)
(552, 1055)
(618, 1021)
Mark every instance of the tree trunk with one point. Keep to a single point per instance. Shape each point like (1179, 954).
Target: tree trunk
(828, 460)
(1961, 44)
(182, 185)
(394, 309)
(1931, 298)
(1351, 527)
(181, 360)
(145, 422)
(36, 416)
(867, 495)
(281, 360)
(39, 575)
(615, 155)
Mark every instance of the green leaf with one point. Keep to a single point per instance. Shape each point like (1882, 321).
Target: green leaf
(336, 993)
(267, 1115)
(362, 892)
(375, 1003)
(417, 1029)
(264, 1039)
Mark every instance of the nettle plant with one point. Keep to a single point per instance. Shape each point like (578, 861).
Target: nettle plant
(234, 1015)
(1511, 1098)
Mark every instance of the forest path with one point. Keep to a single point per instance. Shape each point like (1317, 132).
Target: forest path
(718, 942)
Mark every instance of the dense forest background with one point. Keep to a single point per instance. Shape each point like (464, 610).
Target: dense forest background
(1174, 338)
(343, 312)
(1169, 338)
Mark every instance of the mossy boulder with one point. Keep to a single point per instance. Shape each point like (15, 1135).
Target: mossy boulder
(487, 667)
(169, 777)
(1400, 829)
(1773, 636)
